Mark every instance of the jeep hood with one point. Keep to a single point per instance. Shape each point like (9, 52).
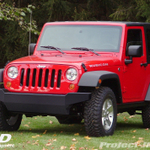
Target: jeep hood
(73, 60)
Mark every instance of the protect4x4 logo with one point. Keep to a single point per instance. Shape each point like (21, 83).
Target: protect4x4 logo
(4, 138)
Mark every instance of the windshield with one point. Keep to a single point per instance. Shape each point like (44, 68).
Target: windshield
(96, 37)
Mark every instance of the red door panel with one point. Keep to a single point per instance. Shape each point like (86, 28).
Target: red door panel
(134, 75)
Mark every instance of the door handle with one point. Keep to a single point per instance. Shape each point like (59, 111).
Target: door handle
(144, 64)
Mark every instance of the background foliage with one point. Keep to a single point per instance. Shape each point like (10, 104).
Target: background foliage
(15, 16)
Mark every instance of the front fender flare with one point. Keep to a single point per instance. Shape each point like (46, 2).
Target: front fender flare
(91, 79)
(1, 75)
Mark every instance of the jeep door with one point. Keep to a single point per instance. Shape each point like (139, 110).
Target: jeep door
(134, 73)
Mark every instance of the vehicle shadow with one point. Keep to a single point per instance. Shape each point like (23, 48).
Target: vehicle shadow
(127, 126)
(71, 129)
(57, 129)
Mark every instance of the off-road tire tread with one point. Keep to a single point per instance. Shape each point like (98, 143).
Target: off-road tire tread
(4, 126)
(92, 113)
(146, 116)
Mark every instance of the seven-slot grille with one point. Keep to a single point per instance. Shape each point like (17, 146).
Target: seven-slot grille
(40, 77)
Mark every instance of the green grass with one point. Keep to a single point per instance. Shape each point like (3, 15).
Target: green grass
(41, 133)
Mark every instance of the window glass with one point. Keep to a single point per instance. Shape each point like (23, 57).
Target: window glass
(97, 37)
(148, 40)
(134, 37)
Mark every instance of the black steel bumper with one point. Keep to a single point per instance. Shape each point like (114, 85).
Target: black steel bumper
(50, 104)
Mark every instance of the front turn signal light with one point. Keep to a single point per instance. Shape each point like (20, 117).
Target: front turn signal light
(71, 86)
(8, 84)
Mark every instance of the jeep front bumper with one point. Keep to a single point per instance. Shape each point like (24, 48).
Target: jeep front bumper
(48, 104)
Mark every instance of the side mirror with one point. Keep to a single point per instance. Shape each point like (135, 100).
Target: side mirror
(133, 51)
(31, 48)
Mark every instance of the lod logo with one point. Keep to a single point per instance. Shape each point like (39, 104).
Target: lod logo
(5, 138)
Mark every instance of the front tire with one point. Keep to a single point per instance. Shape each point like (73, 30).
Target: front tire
(8, 121)
(100, 113)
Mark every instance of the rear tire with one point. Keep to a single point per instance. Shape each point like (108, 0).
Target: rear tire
(9, 122)
(100, 113)
(146, 116)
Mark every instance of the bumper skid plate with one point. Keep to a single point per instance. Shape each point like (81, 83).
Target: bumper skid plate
(50, 104)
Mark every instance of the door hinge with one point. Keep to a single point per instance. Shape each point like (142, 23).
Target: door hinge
(124, 69)
(124, 90)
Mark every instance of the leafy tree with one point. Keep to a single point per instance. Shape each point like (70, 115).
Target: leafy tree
(15, 18)
(132, 10)
(12, 13)
(143, 7)
(100, 9)
(14, 30)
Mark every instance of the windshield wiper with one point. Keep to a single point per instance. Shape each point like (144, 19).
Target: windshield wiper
(55, 48)
(85, 49)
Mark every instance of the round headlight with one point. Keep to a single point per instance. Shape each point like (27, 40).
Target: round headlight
(12, 72)
(71, 74)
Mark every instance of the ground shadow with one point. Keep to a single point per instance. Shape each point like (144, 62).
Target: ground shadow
(57, 129)
(127, 126)
(71, 129)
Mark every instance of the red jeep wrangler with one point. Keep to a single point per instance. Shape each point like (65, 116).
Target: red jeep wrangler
(80, 70)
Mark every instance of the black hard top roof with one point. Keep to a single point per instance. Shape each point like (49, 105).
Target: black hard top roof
(136, 23)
